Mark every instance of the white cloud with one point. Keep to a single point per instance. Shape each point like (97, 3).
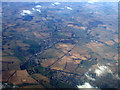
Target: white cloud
(102, 70)
(117, 76)
(37, 1)
(33, 9)
(85, 85)
(53, 4)
(56, 3)
(38, 10)
(38, 6)
(26, 12)
(93, 1)
(69, 8)
(89, 77)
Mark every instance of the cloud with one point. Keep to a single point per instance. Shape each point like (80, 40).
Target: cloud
(85, 85)
(38, 10)
(89, 77)
(69, 8)
(33, 9)
(24, 12)
(102, 70)
(92, 1)
(55, 3)
(38, 6)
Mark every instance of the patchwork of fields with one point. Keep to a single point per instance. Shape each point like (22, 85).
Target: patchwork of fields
(60, 45)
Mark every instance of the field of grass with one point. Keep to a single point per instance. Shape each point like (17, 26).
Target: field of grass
(48, 54)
